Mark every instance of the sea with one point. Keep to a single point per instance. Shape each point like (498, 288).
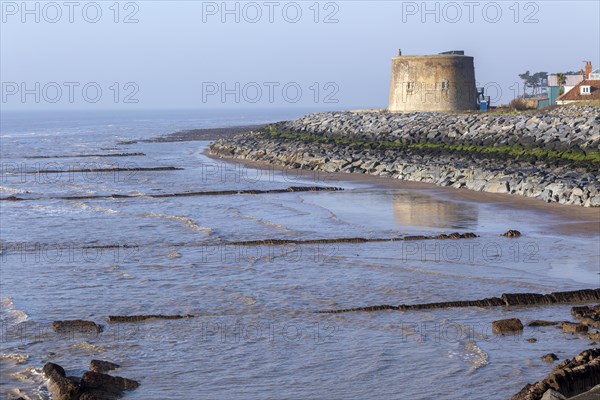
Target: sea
(252, 327)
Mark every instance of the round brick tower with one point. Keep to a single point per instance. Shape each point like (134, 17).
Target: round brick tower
(441, 82)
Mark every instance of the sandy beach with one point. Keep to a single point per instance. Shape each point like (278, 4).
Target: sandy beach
(564, 218)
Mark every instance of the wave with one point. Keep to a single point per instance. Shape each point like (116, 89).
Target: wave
(189, 222)
(475, 355)
(17, 358)
(9, 315)
(5, 189)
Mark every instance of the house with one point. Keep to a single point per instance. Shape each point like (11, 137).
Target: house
(554, 87)
(588, 89)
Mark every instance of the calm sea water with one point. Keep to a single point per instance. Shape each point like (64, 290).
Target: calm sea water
(256, 334)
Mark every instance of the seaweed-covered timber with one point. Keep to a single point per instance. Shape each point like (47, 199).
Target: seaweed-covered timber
(507, 300)
(291, 189)
(139, 318)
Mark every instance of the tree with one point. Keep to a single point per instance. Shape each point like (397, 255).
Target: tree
(561, 79)
(534, 81)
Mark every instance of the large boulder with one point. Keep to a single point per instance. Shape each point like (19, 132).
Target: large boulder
(503, 326)
(61, 387)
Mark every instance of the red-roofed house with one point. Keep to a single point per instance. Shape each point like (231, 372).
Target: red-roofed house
(588, 89)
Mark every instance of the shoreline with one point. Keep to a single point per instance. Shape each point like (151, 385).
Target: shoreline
(550, 155)
(571, 220)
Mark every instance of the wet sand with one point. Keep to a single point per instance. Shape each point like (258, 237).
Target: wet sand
(194, 135)
(565, 219)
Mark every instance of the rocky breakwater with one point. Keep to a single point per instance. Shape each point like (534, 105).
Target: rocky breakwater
(552, 155)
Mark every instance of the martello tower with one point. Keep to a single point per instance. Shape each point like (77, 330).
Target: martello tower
(441, 82)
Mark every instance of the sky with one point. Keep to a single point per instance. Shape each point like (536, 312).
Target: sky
(272, 54)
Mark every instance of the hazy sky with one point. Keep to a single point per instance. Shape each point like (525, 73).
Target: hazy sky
(194, 54)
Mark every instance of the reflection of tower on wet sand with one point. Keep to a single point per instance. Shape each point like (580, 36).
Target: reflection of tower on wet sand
(417, 209)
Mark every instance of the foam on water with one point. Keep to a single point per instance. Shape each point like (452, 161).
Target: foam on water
(9, 315)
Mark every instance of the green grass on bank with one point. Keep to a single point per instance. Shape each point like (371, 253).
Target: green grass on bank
(517, 152)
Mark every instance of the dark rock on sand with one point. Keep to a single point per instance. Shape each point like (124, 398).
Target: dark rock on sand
(102, 366)
(549, 357)
(569, 378)
(503, 326)
(76, 326)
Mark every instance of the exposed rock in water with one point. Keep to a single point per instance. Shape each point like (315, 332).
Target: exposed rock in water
(138, 318)
(61, 387)
(98, 383)
(550, 357)
(589, 316)
(102, 366)
(512, 233)
(570, 327)
(92, 385)
(569, 378)
(76, 326)
(503, 326)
